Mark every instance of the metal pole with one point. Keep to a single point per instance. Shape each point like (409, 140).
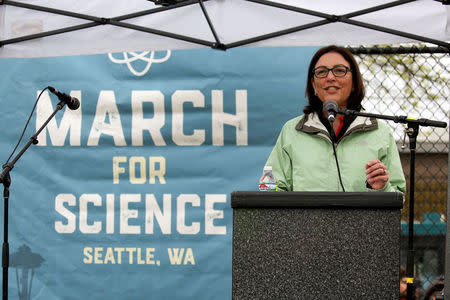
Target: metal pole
(447, 237)
(413, 130)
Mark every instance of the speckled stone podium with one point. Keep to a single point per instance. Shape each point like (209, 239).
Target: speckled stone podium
(308, 245)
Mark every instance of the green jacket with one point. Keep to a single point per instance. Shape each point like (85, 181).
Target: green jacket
(303, 159)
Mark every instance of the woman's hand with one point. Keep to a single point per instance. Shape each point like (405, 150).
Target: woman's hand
(377, 174)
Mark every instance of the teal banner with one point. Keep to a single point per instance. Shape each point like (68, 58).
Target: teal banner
(128, 197)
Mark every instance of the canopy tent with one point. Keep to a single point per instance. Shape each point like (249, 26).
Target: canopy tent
(41, 28)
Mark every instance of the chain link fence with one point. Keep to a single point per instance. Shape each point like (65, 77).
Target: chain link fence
(412, 80)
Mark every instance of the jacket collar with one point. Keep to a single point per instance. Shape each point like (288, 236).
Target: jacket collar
(311, 124)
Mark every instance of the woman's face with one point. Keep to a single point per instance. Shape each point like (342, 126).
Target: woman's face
(332, 87)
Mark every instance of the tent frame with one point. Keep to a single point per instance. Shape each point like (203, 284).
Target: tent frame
(217, 44)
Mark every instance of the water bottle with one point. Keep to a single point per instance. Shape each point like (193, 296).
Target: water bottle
(267, 181)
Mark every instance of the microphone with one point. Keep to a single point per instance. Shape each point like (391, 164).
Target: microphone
(72, 102)
(331, 108)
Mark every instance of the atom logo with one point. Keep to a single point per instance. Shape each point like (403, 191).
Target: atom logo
(130, 57)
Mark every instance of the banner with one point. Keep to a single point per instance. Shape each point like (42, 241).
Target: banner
(128, 197)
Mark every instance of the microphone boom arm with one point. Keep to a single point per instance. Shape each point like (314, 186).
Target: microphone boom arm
(396, 119)
(33, 140)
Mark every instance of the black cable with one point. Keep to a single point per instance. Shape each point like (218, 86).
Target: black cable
(26, 125)
(333, 139)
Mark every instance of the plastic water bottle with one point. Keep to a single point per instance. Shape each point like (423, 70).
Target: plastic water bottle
(268, 181)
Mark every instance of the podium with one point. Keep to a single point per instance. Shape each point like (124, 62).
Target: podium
(316, 245)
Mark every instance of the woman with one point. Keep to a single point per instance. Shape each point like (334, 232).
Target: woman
(353, 154)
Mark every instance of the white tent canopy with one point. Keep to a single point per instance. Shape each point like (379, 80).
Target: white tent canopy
(66, 27)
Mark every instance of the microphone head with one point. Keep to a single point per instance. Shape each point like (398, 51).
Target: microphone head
(73, 103)
(330, 106)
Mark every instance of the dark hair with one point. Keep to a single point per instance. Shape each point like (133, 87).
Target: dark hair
(358, 92)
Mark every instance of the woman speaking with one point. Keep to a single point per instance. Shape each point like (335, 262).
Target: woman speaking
(351, 153)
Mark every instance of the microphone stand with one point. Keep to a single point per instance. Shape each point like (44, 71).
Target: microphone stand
(6, 180)
(412, 131)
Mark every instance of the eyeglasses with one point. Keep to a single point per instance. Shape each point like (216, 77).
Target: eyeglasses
(338, 71)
